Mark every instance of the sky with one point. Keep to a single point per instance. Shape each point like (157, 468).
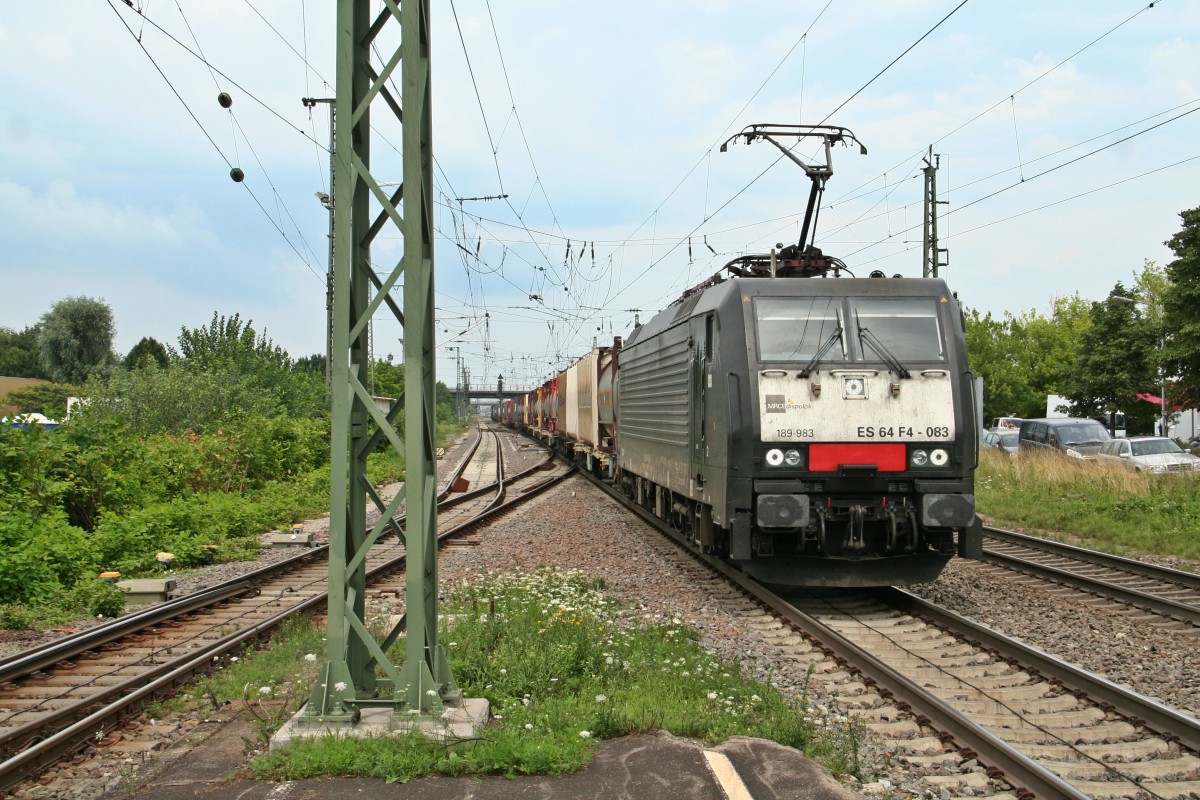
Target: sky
(1065, 135)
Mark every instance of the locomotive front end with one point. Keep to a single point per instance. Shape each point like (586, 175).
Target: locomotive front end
(863, 472)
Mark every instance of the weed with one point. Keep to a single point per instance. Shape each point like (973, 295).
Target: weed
(270, 705)
(127, 779)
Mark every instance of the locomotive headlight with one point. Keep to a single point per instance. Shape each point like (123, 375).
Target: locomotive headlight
(774, 457)
(854, 388)
(919, 458)
(939, 457)
(792, 458)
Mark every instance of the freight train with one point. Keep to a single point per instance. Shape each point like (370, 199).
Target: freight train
(810, 428)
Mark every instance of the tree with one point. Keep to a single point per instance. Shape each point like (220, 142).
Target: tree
(227, 342)
(1022, 359)
(1115, 362)
(150, 349)
(389, 379)
(76, 338)
(1005, 388)
(19, 353)
(1181, 313)
(314, 364)
(251, 365)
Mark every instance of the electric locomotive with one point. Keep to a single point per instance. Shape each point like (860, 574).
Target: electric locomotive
(813, 429)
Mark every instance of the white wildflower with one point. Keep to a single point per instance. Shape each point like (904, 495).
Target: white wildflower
(712, 695)
(601, 698)
(585, 734)
(310, 657)
(340, 686)
(264, 690)
(528, 726)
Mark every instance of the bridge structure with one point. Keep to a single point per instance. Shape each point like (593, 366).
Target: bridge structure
(477, 397)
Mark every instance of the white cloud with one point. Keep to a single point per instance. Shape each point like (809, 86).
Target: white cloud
(59, 209)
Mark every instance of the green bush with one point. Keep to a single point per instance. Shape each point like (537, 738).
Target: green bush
(17, 617)
(98, 598)
(183, 526)
(39, 555)
(103, 467)
(184, 458)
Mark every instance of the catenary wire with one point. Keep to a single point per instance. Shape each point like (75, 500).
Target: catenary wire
(211, 141)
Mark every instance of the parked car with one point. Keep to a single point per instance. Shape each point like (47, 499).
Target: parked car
(1075, 437)
(1006, 440)
(1156, 454)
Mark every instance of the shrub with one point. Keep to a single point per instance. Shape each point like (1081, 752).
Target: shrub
(41, 554)
(98, 598)
(16, 617)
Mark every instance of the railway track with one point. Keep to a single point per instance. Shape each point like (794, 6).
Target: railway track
(1166, 592)
(68, 695)
(949, 693)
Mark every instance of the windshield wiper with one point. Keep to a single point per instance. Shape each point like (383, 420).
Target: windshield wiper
(865, 337)
(833, 337)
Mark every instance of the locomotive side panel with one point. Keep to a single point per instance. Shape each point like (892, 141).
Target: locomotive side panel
(654, 408)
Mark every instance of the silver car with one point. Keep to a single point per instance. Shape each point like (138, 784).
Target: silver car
(1155, 454)
(1003, 439)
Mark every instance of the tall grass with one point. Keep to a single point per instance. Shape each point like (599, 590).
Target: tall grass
(1095, 504)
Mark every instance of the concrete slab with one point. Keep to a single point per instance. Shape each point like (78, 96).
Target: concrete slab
(658, 766)
(146, 590)
(458, 722)
(771, 771)
(292, 539)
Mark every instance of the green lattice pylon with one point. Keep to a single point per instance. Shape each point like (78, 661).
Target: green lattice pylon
(362, 209)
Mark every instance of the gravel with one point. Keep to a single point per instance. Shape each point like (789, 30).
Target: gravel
(1157, 659)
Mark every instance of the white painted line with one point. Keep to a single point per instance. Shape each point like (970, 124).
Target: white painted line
(727, 776)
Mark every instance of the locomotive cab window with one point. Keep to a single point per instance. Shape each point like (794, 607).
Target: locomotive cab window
(797, 328)
(909, 327)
